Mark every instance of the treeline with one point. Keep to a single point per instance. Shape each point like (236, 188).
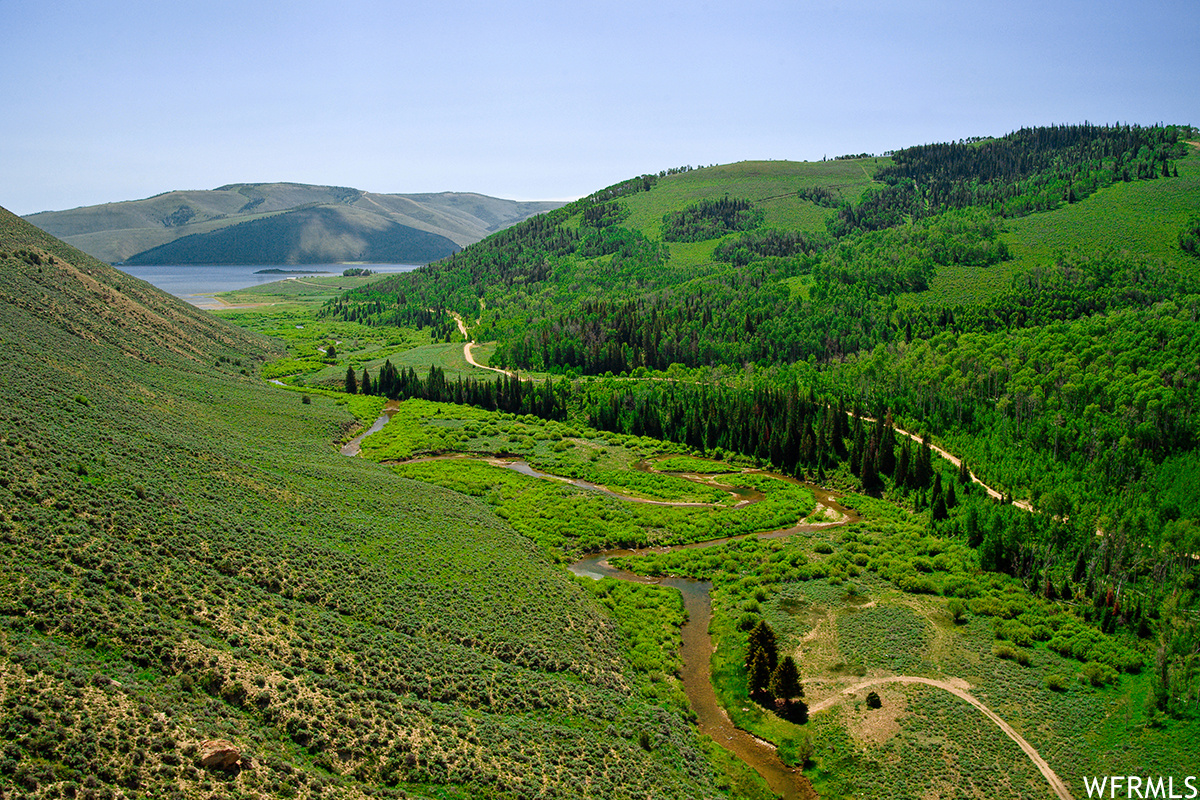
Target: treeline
(903, 259)
(820, 195)
(755, 245)
(750, 315)
(504, 393)
(1126, 581)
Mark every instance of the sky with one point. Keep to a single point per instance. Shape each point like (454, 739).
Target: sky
(107, 101)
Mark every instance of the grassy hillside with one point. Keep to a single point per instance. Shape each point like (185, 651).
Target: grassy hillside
(771, 185)
(1140, 218)
(186, 558)
(354, 222)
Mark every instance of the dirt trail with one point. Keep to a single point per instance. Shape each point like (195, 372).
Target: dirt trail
(697, 678)
(956, 461)
(958, 689)
(469, 345)
(462, 327)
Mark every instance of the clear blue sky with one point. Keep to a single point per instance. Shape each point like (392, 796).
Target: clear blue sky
(104, 101)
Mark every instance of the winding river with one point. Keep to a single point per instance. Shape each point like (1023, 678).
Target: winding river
(697, 651)
(697, 647)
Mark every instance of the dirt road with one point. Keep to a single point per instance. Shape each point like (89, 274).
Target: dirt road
(957, 689)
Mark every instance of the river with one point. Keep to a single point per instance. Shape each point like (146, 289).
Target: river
(697, 650)
(697, 647)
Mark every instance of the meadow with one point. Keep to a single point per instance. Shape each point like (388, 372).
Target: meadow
(834, 597)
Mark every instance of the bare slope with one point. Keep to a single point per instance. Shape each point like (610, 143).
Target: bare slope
(116, 232)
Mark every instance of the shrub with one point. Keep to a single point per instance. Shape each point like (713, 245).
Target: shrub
(1056, 682)
(1097, 674)
(1011, 653)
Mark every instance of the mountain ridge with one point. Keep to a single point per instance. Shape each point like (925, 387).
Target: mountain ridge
(433, 224)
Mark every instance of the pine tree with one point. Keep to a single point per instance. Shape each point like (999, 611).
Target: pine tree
(903, 472)
(924, 466)
(365, 387)
(887, 448)
(351, 381)
(937, 503)
(758, 673)
(762, 637)
(785, 680)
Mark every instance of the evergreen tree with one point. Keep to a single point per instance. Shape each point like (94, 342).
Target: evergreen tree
(785, 680)
(351, 381)
(365, 387)
(763, 637)
(937, 502)
(972, 527)
(758, 673)
(903, 474)
(923, 472)
(871, 482)
(887, 448)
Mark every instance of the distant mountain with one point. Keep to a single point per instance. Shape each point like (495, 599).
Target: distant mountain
(284, 223)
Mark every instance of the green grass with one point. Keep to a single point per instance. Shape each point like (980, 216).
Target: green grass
(304, 291)
(833, 597)
(699, 466)
(562, 519)
(763, 182)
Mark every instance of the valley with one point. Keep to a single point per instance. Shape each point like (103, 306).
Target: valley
(549, 516)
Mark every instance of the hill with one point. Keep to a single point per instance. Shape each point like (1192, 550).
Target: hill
(284, 223)
(186, 558)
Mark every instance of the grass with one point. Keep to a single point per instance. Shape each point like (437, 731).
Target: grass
(306, 291)
(562, 519)
(833, 598)
(699, 466)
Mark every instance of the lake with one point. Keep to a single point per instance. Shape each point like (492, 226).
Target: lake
(198, 283)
